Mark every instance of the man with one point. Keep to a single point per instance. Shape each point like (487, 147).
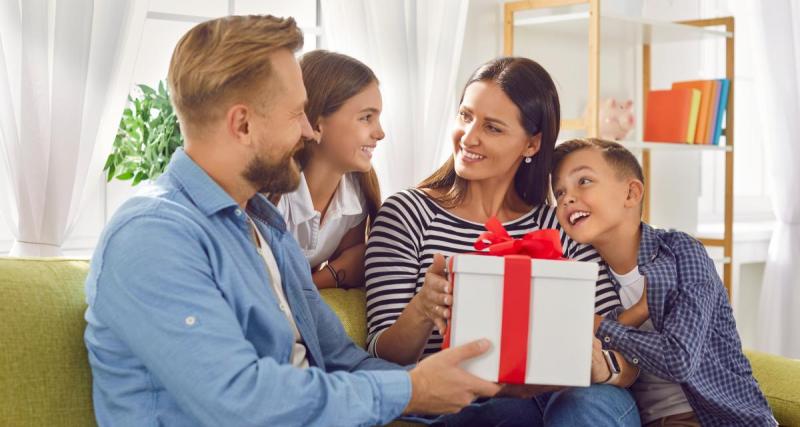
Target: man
(201, 306)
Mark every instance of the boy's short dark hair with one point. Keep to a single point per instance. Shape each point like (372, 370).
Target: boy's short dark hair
(621, 160)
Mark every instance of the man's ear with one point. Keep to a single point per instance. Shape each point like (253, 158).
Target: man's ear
(237, 122)
(534, 143)
(635, 193)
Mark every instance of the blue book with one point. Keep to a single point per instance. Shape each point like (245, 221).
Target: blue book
(721, 108)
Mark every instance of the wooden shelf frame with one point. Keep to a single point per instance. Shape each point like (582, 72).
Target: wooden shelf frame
(590, 124)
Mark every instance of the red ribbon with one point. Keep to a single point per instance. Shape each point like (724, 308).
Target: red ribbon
(517, 253)
(542, 244)
(516, 319)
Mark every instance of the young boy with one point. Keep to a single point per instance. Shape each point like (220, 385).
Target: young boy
(677, 325)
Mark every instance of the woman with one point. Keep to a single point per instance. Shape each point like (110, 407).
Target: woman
(508, 121)
(338, 194)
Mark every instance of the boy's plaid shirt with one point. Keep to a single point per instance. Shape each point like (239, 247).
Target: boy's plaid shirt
(695, 342)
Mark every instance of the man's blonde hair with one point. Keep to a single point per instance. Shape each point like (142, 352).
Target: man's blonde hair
(223, 61)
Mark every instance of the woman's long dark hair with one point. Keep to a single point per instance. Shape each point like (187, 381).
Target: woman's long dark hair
(532, 90)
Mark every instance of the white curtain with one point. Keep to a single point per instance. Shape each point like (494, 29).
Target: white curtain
(414, 48)
(777, 42)
(65, 69)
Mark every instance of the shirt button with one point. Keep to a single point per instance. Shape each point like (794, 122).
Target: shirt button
(190, 321)
(283, 307)
(635, 361)
(238, 212)
(607, 339)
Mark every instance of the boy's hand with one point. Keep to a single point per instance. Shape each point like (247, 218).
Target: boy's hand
(637, 314)
(634, 316)
(641, 306)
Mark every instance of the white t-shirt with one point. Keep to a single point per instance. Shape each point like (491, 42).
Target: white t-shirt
(319, 237)
(655, 397)
(299, 359)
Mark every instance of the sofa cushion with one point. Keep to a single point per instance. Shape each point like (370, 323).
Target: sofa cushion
(46, 380)
(779, 379)
(350, 306)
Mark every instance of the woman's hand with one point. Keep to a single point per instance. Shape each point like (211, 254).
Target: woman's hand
(434, 299)
(600, 371)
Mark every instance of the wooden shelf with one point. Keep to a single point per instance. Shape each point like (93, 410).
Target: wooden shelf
(677, 146)
(668, 146)
(614, 26)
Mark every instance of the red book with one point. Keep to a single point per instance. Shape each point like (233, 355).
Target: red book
(706, 88)
(671, 115)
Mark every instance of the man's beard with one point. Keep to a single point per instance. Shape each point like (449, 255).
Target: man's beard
(279, 177)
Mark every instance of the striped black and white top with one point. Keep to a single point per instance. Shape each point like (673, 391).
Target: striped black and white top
(410, 228)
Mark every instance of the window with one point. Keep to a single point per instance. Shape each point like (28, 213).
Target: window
(751, 189)
(167, 21)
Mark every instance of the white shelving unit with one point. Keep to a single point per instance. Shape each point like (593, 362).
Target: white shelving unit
(547, 19)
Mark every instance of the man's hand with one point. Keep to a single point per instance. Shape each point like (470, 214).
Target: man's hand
(440, 386)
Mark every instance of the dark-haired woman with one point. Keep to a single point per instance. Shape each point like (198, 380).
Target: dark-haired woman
(508, 121)
(338, 195)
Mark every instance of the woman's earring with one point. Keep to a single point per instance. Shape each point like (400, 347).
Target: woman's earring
(528, 159)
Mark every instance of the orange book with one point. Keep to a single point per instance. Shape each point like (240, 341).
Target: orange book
(671, 115)
(706, 88)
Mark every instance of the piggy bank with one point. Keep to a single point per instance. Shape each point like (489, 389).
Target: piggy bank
(616, 119)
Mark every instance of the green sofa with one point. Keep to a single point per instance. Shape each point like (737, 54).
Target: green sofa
(46, 380)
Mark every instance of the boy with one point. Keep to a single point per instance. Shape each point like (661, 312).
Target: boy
(677, 325)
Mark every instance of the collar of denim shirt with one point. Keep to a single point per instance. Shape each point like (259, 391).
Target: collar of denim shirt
(210, 198)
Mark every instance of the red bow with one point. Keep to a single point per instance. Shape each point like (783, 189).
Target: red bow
(543, 244)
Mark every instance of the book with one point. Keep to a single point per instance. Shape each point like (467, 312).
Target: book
(706, 88)
(712, 116)
(671, 115)
(722, 109)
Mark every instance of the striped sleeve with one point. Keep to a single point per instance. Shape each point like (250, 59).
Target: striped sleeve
(391, 263)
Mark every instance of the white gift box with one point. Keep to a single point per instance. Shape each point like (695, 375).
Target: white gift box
(560, 318)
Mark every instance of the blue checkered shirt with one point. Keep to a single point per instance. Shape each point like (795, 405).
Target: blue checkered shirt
(695, 342)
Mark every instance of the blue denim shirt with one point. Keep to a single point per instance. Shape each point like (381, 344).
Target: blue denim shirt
(185, 330)
(695, 342)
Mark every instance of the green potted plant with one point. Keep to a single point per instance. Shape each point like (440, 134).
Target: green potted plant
(148, 134)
